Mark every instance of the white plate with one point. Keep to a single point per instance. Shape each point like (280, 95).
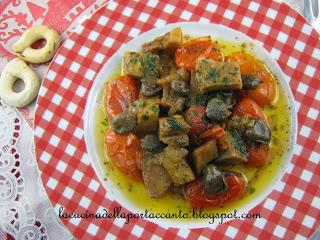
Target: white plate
(196, 29)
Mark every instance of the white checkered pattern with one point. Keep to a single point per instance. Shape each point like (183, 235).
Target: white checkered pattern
(61, 166)
(84, 51)
(68, 192)
(60, 59)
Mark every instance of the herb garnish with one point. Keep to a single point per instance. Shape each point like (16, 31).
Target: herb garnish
(174, 124)
(154, 108)
(150, 67)
(212, 74)
(239, 144)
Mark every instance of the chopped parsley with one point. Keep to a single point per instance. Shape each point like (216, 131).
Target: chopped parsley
(105, 122)
(134, 58)
(154, 108)
(212, 74)
(150, 65)
(239, 144)
(194, 113)
(174, 124)
(225, 80)
(145, 116)
(243, 45)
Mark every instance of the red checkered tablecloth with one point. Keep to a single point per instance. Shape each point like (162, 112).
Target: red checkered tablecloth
(291, 211)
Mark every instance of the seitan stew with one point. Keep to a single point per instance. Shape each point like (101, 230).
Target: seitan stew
(181, 111)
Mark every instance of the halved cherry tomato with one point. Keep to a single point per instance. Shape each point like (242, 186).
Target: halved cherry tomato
(125, 152)
(265, 92)
(214, 132)
(246, 62)
(198, 198)
(187, 55)
(194, 116)
(258, 155)
(213, 52)
(119, 94)
(247, 106)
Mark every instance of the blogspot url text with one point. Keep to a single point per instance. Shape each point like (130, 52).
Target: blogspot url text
(195, 213)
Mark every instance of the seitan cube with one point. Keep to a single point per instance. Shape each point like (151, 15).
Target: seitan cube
(179, 140)
(148, 116)
(235, 149)
(169, 126)
(141, 65)
(132, 64)
(156, 178)
(151, 66)
(170, 40)
(168, 98)
(194, 88)
(173, 160)
(177, 107)
(204, 154)
(212, 75)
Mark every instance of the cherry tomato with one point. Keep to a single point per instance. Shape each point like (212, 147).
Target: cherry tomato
(119, 94)
(265, 92)
(194, 116)
(198, 198)
(125, 152)
(248, 106)
(213, 52)
(258, 155)
(246, 62)
(187, 55)
(214, 132)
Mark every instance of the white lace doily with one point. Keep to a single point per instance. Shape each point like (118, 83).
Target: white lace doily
(25, 211)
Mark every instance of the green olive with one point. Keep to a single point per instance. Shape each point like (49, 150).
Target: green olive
(259, 132)
(180, 87)
(124, 123)
(214, 180)
(177, 107)
(250, 82)
(151, 143)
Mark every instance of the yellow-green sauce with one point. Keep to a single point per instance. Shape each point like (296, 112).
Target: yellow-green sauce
(259, 178)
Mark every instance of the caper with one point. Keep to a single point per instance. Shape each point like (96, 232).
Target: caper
(124, 123)
(149, 87)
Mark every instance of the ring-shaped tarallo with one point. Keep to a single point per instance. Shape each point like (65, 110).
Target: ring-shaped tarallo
(23, 46)
(14, 70)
